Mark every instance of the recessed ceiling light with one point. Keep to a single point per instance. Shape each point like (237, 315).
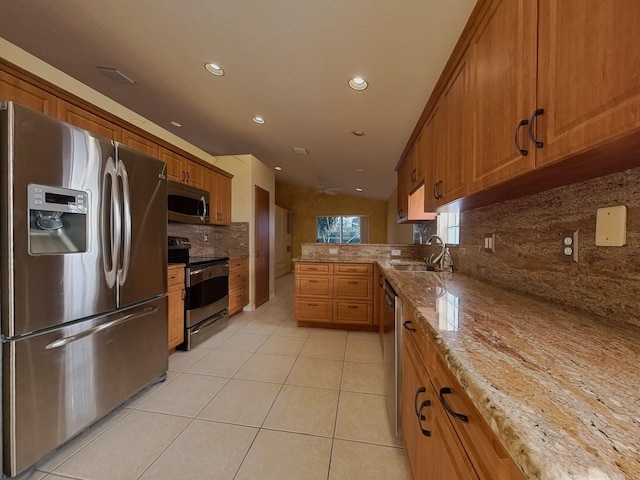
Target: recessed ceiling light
(358, 189)
(258, 120)
(357, 133)
(214, 69)
(358, 83)
(278, 168)
(176, 124)
(359, 169)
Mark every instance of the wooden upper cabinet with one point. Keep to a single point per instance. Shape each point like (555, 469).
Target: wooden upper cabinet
(81, 118)
(404, 174)
(433, 134)
(588, 75)
(502, 88)
(181, 169)
(139, 143)
(219, 187)
(24, 93)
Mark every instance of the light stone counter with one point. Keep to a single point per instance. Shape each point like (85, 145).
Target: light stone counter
(559, 387)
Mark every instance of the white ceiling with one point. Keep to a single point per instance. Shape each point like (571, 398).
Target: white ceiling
(286, 60)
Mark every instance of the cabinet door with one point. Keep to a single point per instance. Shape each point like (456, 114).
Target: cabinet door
(81, 118)
(175, 297)
(404, 175)
(174, 165)
(588, 74)
(139, 143)
(502, 88)
(24, 93)
(454, 142)
(223, 200)
(195, 173)
(434, 133)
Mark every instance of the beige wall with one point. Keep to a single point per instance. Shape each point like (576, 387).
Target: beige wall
(306, 204)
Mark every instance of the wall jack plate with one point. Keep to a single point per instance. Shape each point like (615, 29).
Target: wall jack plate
(569, 246)
(489, 243)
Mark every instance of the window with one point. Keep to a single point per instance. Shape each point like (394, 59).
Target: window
(342, 229)
(447, 226)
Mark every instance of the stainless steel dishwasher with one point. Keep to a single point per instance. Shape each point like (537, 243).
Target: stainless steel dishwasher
(392, 351)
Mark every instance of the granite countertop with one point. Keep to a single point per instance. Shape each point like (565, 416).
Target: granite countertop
(559, 387)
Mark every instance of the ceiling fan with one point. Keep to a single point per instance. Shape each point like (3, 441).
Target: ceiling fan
(322, 188)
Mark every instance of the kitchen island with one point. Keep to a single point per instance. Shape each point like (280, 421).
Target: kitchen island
(558, 387)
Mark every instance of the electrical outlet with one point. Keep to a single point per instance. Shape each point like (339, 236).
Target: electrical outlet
(206, 238)
(333, 251)
(396, 252)
(569, 246)
(489, 243)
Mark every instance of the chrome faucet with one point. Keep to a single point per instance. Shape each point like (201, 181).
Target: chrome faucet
(435, 258)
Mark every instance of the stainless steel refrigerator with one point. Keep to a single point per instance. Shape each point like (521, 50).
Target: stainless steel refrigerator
(83, 291)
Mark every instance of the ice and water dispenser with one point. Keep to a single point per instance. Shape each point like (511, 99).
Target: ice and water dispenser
(57, 220)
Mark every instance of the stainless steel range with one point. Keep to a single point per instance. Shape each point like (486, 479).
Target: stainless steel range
(207, 292)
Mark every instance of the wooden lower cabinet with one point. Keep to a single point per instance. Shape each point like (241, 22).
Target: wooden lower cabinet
(238, 284)
(175, 293)
(334, 295)
(439, 443)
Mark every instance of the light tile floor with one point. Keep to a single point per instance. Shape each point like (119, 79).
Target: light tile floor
(263, 399)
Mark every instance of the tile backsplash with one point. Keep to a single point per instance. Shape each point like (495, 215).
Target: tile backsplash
(223, 240)
(528, 235)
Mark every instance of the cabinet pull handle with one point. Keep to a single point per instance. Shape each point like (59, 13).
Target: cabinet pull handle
(532, 124)
(312, 304)
(312, 269)
(183, 293)
(421, 417)
(435, 192)
(401, 214)
(380, 282)
(353, 282)
(458, 416)
(313, 281)
(352, 306)
(413, 175)
(406, 325)
(522, 151)
(415, 400)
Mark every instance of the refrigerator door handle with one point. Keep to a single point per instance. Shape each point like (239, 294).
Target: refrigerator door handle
(110, 222)
(126, 223)
(61, 342)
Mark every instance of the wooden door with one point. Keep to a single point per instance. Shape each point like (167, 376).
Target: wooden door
(261, 246)
(588, 75)
(24, 93)
(502, 86)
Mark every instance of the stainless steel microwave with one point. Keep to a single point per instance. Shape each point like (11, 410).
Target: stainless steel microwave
(187, 204)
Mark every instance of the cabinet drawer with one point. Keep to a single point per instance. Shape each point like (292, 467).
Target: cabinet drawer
(175, 276)
(238, 264)
(313, 310)
(353, 287)
(314, 268)
(352, 312)
(238, 298)
(312, 286)
(238, 279)
(490, 459)
(351, 269)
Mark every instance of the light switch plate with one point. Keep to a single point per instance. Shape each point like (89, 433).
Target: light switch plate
(333, 251)
(396, 252)
(611, 226)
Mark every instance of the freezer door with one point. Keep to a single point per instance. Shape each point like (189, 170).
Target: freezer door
(142, 271)
(43, 289)
(58, 383)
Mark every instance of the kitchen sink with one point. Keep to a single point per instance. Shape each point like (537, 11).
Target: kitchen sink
(409, 267)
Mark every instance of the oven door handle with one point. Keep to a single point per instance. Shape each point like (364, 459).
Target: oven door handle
(209, 322)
